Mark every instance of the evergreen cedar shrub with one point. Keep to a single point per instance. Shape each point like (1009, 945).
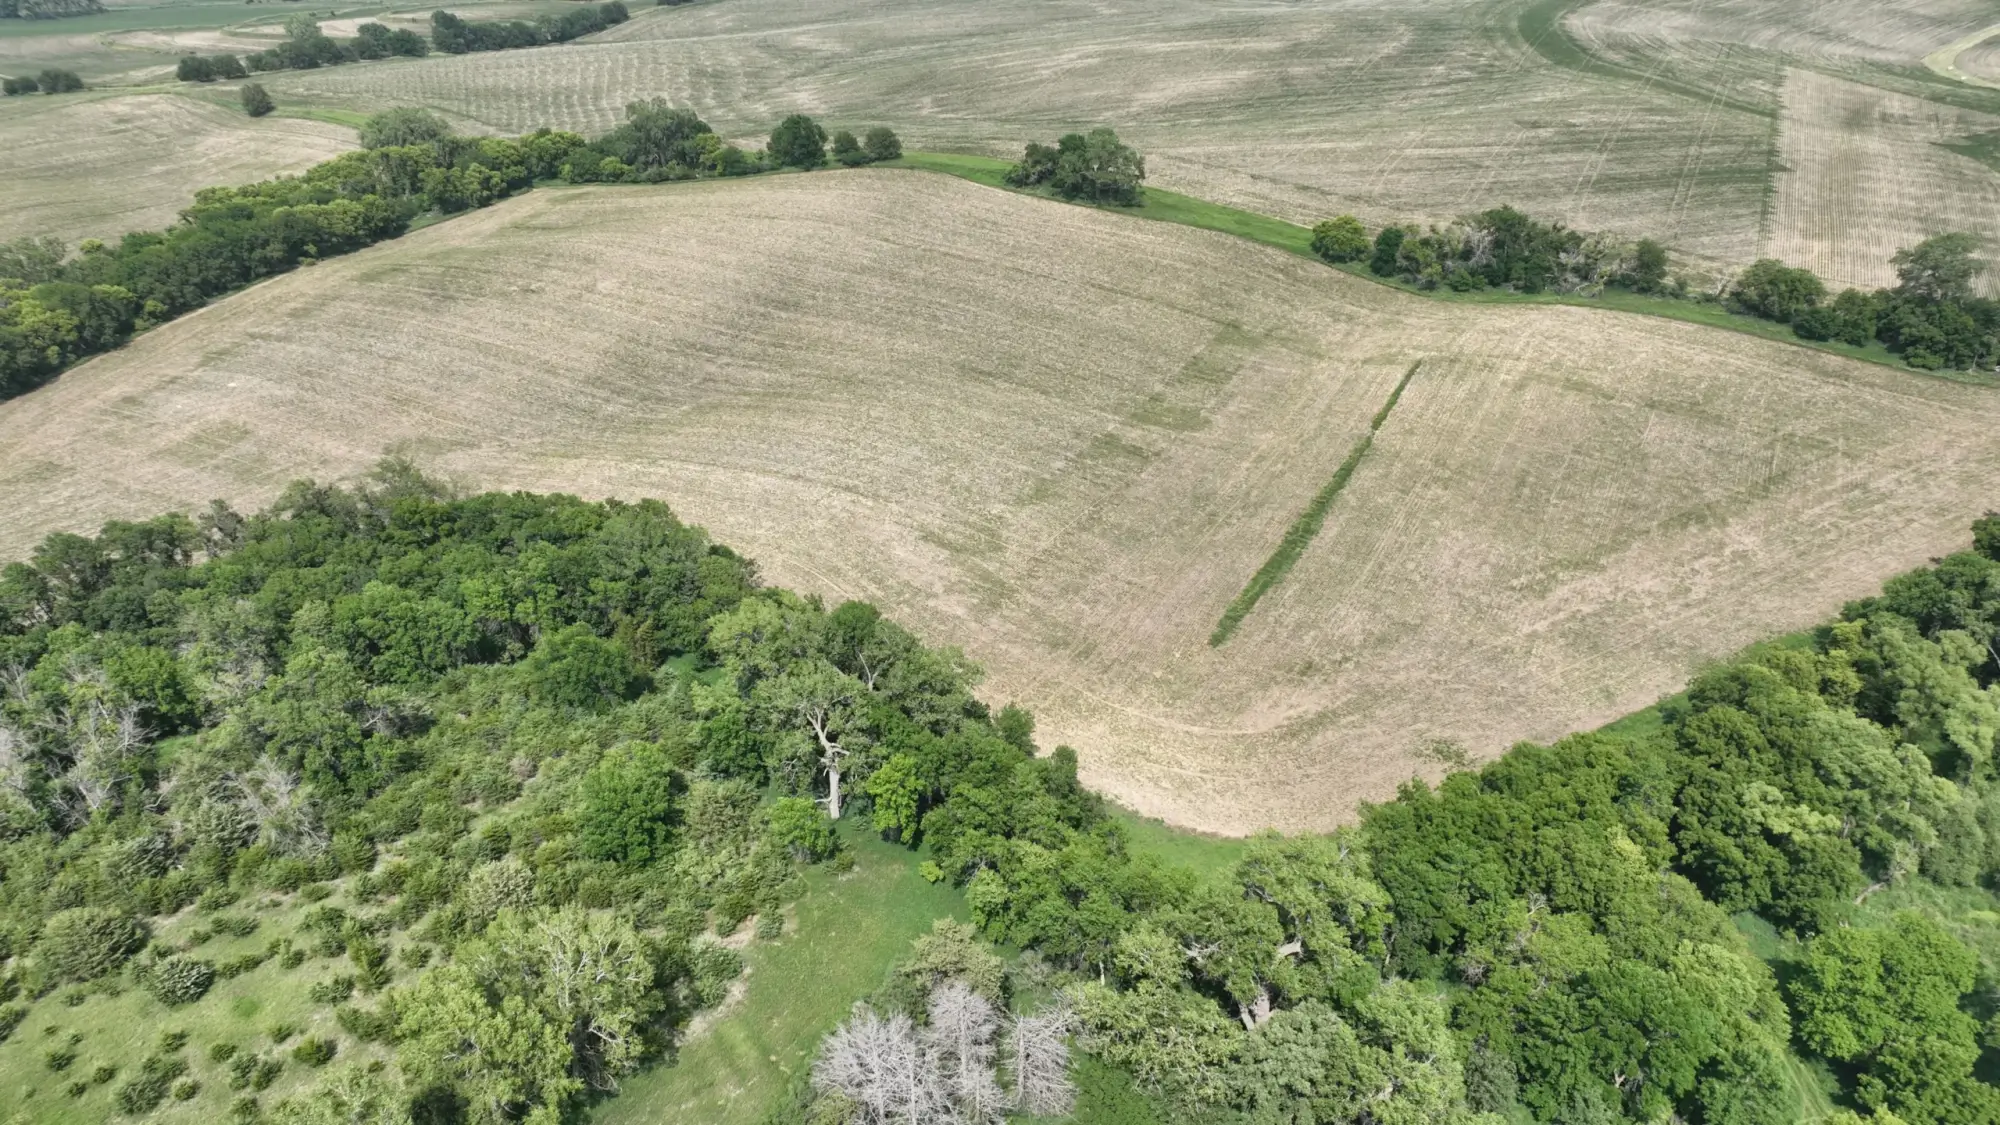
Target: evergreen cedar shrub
(256, 100)
(87, 942)
(174, 981)
(314, 1052)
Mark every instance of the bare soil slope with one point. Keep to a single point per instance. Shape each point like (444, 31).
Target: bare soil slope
(1064, 439)
(83, 167)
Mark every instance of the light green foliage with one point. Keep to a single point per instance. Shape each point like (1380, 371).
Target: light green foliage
(87, 942)
(179, 980)
(802, 829)
(896, 790)
(1775, 291)
(951, 951)
(1340, 239)
(353, 1096)
(630, 806)
(403, 126)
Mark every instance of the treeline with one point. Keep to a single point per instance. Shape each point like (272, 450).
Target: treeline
(500, 757)
(307, 47)
(51, 81)
(47, 9)
(57, 310)
(1549, 937)
(1932, 319)
(355, 680)
(1094, 167)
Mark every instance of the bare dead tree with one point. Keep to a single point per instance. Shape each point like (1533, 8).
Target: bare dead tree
(959, 1048)
(879, 1065)
(285, 818)
(1039, 1059)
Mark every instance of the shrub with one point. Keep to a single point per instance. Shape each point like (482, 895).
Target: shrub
(574, 667)
(235, 925)
(193, 68)
(798, 142)
(179, 980)
(847, 150)
(254, 1072)
(237, 966)
(221, 1052)
(23, 85)
(284, 1030)
(331, 991)
(314, 1052)
(53, 81)
(77, 1089)
(257, 100)
(102, 1073)
(631, 805)
(1388, 247)
(798, 825)
(171, 1041)
(1770, 289)
(86, 942)
(59, 1059)
(714, 967)
(881, 143)
(11, 1016)
(186, 1089)
(147, 1089)
(367, 1025)
(1340, 239)
(493, 887)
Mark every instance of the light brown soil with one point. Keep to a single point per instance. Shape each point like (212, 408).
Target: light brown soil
(1064, 439)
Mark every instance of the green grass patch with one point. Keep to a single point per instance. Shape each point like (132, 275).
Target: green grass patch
(1541, 25)
(846, 932)
(1209, 856)
(1300, 534)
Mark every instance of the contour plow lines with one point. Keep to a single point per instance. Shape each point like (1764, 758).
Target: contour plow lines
(1303, 530)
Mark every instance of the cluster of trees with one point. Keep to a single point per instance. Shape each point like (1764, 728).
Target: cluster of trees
(456, 36)
(1497, 249)
(50, 81)
(1094, 167)
(1931, 318)
(55, 311)
(522, 739)
(1549, 937)
(353, 679)
(209, 68)
(306, 47)
(47, 9)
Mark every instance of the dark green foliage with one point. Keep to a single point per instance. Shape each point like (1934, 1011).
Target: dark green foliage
(456, 36)
(798, 142)
(314, 1052)
(1775, 291)
(1388, 247)
(147, 1089)
(846, 150)
(376, 41)
(21, 85)
(56, 81)
(209, 68)
(256, 100)
(1095, 167)
(574, 667)
(630, 808)
(86, 942)
(881, 143)
(657, 136)
(1340, 239)
(403, 127)
(1646, 271)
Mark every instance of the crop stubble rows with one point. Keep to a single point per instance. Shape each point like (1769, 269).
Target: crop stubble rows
(1064, 439)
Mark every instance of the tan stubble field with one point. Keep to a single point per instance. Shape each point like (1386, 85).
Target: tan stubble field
(1064, 439)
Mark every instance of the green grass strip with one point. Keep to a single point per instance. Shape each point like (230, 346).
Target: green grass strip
(1300, 534)
(1172, 207)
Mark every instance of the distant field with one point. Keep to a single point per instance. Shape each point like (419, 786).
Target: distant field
(1393, 111)
(1866, 173)
(80, 166)
(1064, 439)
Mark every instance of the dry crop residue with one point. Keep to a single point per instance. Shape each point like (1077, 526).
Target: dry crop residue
(81, 167)
(1064, 439)
(1865, 175)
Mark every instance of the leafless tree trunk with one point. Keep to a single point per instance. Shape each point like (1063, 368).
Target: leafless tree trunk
(1040, 1062)
(959, 1047)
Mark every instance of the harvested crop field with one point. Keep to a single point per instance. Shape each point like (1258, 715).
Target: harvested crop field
(1866, 174)
(1065, 439)
(97, 167)
(1389, 110)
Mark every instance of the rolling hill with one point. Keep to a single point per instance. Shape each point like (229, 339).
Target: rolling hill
(1064, 439)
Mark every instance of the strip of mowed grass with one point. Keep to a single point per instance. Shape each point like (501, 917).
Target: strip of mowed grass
(846, 931)
(1304, 529)
(1172, 207)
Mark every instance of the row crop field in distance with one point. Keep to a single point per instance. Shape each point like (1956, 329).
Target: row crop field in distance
(1064, 439)
(83, 166)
